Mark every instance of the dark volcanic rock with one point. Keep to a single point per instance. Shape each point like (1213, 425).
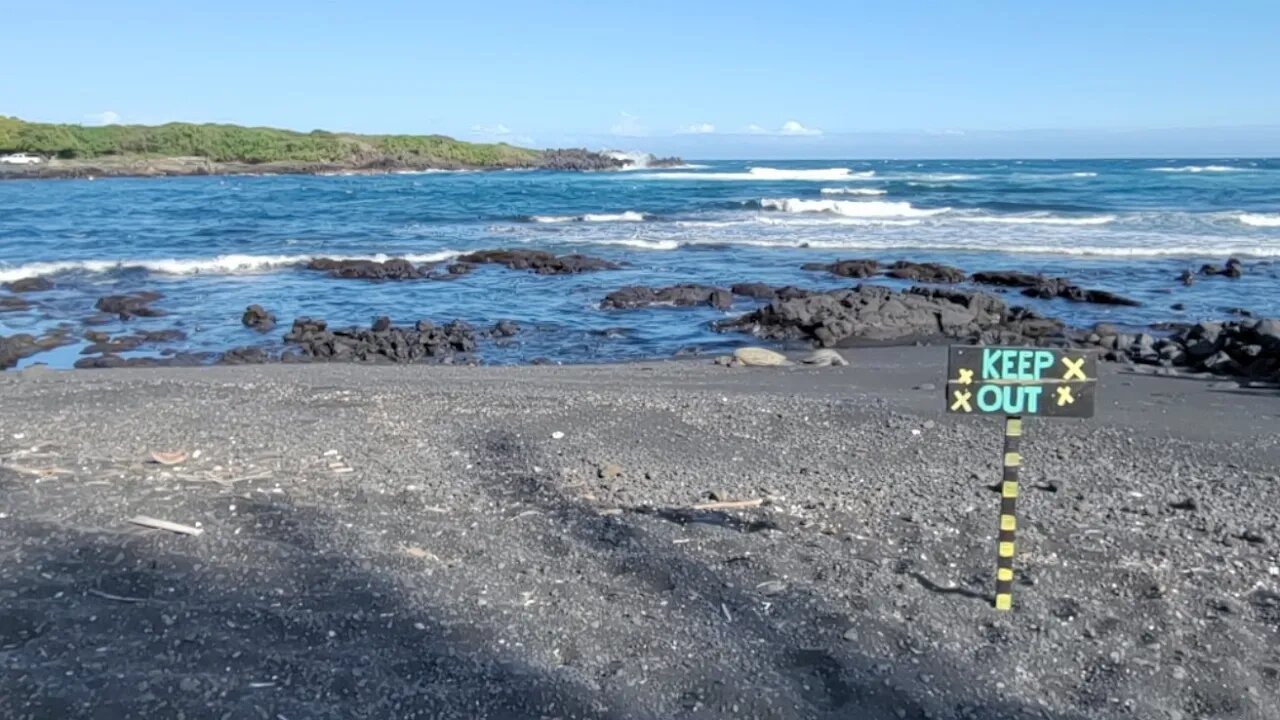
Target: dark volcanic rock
(129, 306)
(244, 356)
(1187, 277)
(257, 317)
(504, 328)
(676, 295)
(17, 347)
(383, 343)
(31, 284)
(118, 345)
(159, 336)
(115, 361)
(1049, 288)
(846, 268)
(761, 291)
(1007, 278)
(393, 269)
(1249, 347)
(1233, 269)
(925, 272)
(579, 159)
(874, 313)
(539, 261)
(10, 303)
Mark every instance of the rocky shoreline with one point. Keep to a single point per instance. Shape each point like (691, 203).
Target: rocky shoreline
(935, 311)
(571, 160)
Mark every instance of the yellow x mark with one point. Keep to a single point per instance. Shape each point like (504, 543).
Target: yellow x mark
(1064, 395)
(966, 376)
(962, 401)
(1075, 369)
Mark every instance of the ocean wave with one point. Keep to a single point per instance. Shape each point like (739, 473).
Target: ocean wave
(1084, 174)
(218, 265)
(1198, 169)
(941, 177)
(967, 245)
(769, 174)
(1260, 219)
(849, 208)
(1040, 220)
(796, 222)
(852, 191)
(626, 216)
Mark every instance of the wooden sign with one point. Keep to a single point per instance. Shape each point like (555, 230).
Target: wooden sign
(1026, 382)
(1018, 382)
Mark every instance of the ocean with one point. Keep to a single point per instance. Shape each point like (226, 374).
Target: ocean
(213, 245)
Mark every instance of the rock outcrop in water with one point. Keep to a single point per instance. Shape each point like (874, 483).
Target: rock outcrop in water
(383, 342)
(538, 261)
(872, 313)
(925, 272)
(12, 303)
(16, 347)
(30, 284)
(1233, 269)
(393, 269)
(628, 298)
(846, 268)
(257, 318)
(130, 306)
(1046, 288)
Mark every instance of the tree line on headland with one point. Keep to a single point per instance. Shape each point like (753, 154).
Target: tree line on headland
(257, 145)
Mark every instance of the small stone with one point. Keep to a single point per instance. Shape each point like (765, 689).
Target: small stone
(725, 361)
(770, 588)
(926, 386)
(1253, 536)
(851, 634)
(1184, 504)
(557, 435)
(760, 357)
(609, 471)
(381, 324)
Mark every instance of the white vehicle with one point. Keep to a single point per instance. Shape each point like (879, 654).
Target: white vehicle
(21, 159)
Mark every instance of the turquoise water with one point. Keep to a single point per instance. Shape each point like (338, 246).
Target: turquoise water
(213, 245)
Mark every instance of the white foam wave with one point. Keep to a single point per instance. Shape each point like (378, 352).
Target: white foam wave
(898, 243)
(637, 242)
(942, 177)
(1084, 174)
(1261, 220)
(837, 220)
(627, 216)
(1198, 169)
(1040, 220)
(852, 191)
(769, 174)
(218, 265)
(849, 208)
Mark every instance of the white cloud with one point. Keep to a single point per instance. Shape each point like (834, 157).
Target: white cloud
(108, 117)
(629, 125)
(697, 129)
(754, 129)
(791, 127)
(498, 129)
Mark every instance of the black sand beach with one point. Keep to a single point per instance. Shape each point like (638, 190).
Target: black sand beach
(520, 542)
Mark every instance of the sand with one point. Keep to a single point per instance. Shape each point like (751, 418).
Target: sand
(519, 542)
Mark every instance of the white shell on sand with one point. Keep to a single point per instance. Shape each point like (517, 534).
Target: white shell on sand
(825, 357)
(760, 356)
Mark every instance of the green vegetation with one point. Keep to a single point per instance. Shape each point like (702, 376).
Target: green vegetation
(233, 143)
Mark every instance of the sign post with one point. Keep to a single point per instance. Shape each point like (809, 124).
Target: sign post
(1016, 383)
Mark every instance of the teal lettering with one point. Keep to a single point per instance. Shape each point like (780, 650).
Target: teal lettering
(1044, 361)
(1006, 363)
(989, 358)
(1033, 398)
(1024, 364)
(989, 398)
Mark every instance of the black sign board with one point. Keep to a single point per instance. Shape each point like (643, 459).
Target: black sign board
(1025, 382)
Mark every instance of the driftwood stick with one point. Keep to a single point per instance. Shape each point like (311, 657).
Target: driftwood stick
(729, 504)
(117, 598)
(151, 522)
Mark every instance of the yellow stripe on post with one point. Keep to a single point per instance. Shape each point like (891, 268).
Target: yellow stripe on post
(1004, 601)
(1006, 549)
(1008, 522)
(1004, 574)
(1013, 427)
(1009, 489)
(1012, 459)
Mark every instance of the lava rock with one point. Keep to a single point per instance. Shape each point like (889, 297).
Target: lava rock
(244, 356)
(393, 269)
(505, 329)
(381, 343)
(31, 284)
(257, 318)
(16, 347)
(1233, 269)
(538, 261)
(677, 296)
(11, 303)
(129, 306)
(925, 272)
(846, 268)
(1007, 278)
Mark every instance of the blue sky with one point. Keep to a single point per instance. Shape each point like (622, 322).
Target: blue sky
(704, 79)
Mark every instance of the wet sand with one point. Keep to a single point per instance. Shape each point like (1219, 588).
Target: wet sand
(522, 542)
